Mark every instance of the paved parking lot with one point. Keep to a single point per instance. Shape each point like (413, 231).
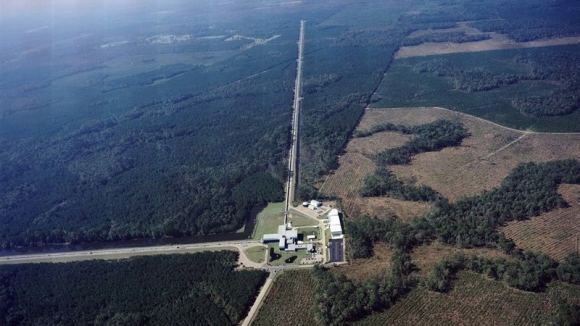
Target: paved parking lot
(336, 248)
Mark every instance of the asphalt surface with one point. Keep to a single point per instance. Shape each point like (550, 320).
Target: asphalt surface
(336, 248)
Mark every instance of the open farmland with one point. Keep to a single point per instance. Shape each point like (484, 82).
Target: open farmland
(476, 300)
(482, 161)
(290, 300)
(554, 233)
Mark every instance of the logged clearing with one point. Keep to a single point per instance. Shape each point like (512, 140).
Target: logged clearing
(427, 256)
(482, 161)
(554, 233)
(367, 268)
(290, 300)
(476, 300)
(496, 42)
(354, 165)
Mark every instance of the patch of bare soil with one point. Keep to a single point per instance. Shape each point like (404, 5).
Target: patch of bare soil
(555, 233)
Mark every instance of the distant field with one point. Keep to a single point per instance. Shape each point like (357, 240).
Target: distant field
(403, 86)
(290, 301)
(475, 300)
(555, 233)
(495, 42)
(483, 159)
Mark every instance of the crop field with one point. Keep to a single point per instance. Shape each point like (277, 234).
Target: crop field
(366, 268)
(554, 233)
(482, 161)
(406, 86)
(475, 300)
(427, 256)
(290, 300)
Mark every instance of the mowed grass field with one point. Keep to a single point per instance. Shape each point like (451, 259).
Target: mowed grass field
(555, 233)
(476, 300)
(290, 300)
(268, 220)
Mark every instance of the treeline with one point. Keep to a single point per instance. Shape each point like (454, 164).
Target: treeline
(340, 300)
(525, 271)
(383, 182)
(187, 289)
(455, 37)
(342, 69)
(428, 137)
(529, 190)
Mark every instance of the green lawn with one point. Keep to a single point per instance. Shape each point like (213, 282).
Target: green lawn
(268, 220)
(299, 219)
(285, 255)
(256, 254)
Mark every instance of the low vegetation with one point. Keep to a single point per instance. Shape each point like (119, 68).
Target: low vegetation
(472, 222)
(290, 300)
(154, 290)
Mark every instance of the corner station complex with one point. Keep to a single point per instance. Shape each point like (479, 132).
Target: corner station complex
(287, 236)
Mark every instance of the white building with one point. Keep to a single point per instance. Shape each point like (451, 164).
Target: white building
(314, 204)
(334, 223)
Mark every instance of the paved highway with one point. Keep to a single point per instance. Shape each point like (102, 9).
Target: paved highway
(129, 252)
(293, 154)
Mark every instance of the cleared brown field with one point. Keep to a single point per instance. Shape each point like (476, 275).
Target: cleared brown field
(290, 300)
(354, 165)
(476, 300)
(482, 161)
(367, 268)
(426, 257)
(496, 42)
(555, 233)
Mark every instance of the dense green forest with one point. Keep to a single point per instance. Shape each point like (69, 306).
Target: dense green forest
(528, 191)
(561, 67)
(534, 88)
(181, 127)
(455, 37)
(188, 289)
